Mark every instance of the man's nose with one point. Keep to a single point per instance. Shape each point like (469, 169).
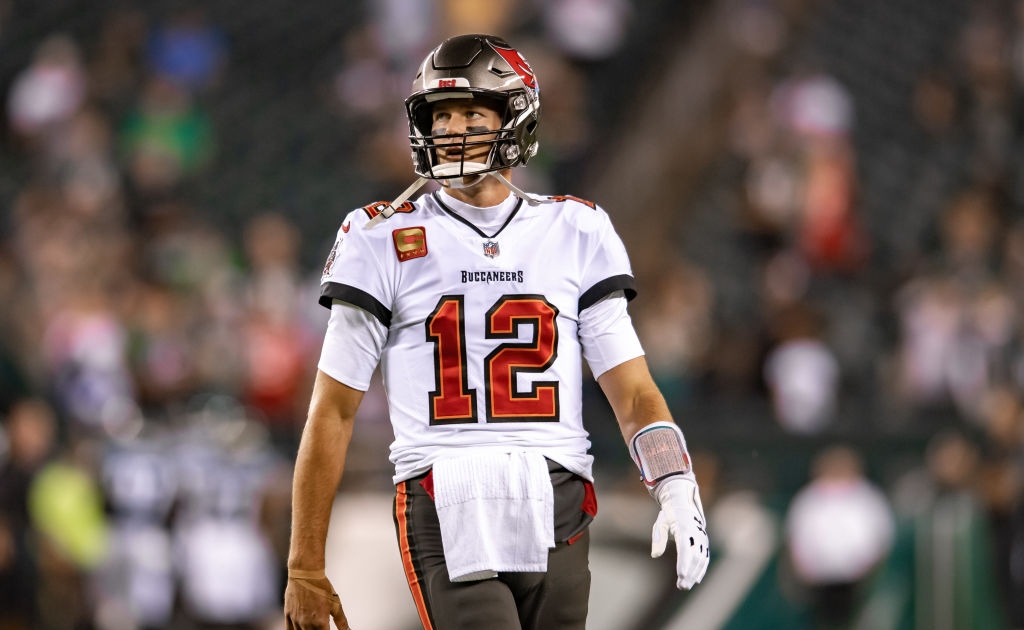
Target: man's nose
(456, 125)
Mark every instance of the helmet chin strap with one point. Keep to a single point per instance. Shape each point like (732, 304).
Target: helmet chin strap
(387, 212)
(531, 199)
(399, 200)
(463, 182)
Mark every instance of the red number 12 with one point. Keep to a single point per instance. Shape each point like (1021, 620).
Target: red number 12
(454, 401)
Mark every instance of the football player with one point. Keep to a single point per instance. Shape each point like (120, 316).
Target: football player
(479, 302)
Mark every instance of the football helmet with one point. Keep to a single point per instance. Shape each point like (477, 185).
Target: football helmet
(479, 67)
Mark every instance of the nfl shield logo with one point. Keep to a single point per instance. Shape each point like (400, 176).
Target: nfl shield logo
(491, 249)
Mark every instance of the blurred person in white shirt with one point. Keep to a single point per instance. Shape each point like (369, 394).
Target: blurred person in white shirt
(839, 530)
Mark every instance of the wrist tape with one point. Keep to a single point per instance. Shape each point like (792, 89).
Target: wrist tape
(659, 451)
(303, 578)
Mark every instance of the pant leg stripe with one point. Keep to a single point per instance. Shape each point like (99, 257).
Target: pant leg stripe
(415, 584)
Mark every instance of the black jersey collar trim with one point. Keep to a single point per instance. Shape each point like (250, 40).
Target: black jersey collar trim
(459, 217)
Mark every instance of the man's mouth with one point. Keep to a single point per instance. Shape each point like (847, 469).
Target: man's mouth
(452, 152)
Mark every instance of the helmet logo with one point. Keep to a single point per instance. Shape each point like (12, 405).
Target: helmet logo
(523, 69)
(448, 83)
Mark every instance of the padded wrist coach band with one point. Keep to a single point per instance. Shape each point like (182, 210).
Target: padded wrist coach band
(659, 451)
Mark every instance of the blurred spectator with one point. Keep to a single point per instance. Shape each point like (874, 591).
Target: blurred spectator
(15, 379)
(813, 104)
(403, 31)
(367, 83)
(166, 138)
(802, 372)
(935, 103)
(818, 109)
(188, 262)
(959, 322)
(969, 230)
(676, 330)
(277, 337)
(117, 67)
(984, 60)
(160, 350)
(81, 163)
(135, 585)
(1002, 490)
(568, 126)
(31, 435)
(46, 93)
(759, 28)
(184, 251)
(955, 345)
(587, 30)
(831, 235)
(839, 530)
(224, 559)
(188, 50)
(1013, 263)
(85, 347)
(954, 581)
(468, 16)
(66, 510)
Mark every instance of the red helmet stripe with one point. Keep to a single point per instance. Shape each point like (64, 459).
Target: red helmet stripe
(523, 69)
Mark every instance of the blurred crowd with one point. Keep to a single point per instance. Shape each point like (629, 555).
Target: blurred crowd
(851, 262)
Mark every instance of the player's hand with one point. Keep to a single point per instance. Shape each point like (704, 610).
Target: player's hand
(682, 518)
(310, 601)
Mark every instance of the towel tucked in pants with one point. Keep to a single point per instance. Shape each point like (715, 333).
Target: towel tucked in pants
(554, 600)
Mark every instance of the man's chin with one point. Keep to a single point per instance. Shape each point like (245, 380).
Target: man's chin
(445, 169)
(463, 182)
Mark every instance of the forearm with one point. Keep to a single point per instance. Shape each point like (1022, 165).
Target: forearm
(660, 453)
(634, 397)
(318, 471)
(649, 406)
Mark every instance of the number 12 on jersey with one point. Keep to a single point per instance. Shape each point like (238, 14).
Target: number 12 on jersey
(454, 401)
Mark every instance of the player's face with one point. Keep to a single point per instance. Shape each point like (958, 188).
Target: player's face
(453, 117)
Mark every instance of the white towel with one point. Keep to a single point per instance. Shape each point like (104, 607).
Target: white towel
(496, 512)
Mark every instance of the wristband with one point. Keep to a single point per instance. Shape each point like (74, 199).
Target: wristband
(302, 578)
(659, 451)
(302, 574)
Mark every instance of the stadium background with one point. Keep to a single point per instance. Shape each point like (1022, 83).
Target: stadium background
(822, 201)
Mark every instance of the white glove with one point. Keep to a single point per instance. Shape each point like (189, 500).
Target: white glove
(682, 518)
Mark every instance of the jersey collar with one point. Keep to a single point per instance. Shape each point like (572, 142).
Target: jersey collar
(461, 211)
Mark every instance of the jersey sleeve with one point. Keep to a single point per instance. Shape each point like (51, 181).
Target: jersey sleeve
(352, 346)
(607, 267)
(354, 274)
(607, 334)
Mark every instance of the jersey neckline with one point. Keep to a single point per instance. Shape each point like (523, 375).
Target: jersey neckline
(470, 224)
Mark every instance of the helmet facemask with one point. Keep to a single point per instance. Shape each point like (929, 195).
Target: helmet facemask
(478, 67)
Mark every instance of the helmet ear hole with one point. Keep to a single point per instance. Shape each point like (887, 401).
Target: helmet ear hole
(420, 116)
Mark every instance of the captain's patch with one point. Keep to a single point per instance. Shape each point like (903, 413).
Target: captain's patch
(410, 243)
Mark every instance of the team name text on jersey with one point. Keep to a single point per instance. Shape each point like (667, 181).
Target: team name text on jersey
(492, 276)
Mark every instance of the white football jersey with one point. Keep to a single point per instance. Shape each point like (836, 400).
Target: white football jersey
(482, 344)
